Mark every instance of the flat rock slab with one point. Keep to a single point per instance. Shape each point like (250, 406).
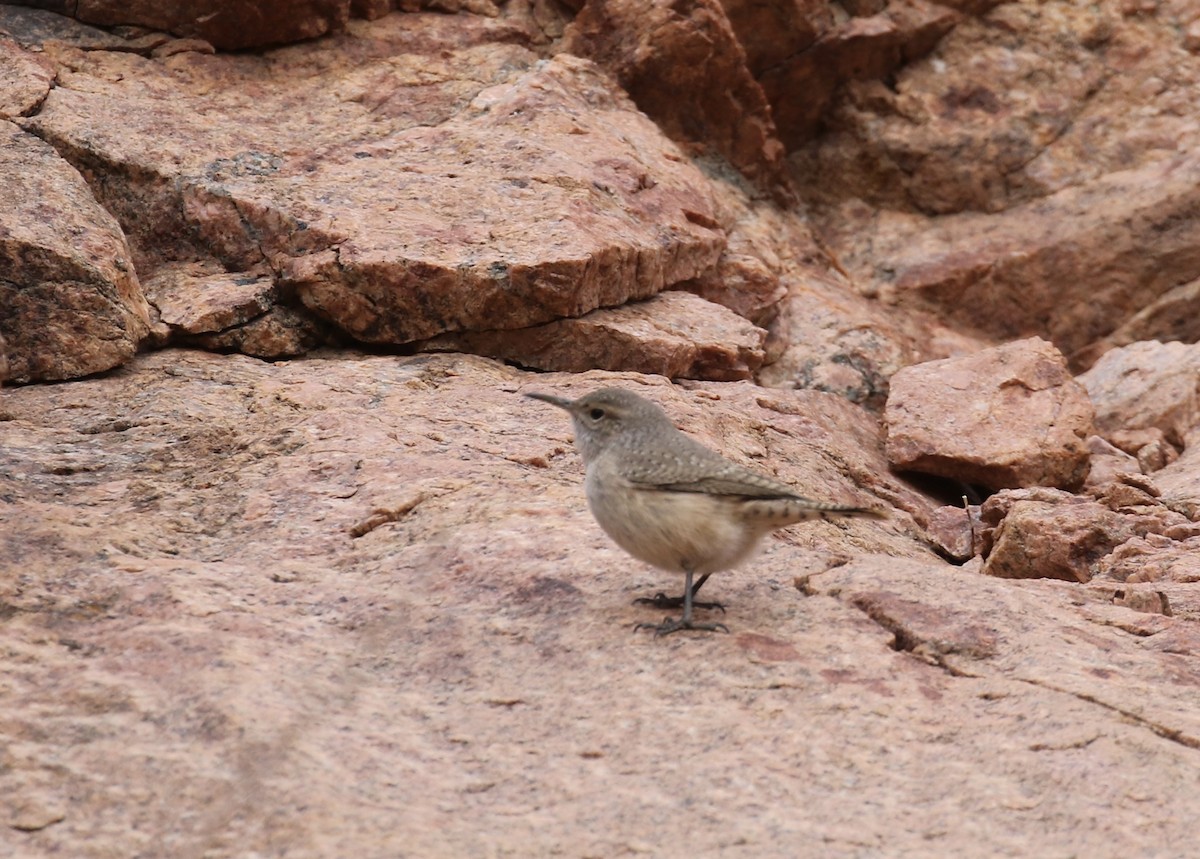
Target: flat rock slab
(192, 300)
(674, 334)
(70, 302)
(413, 176)
(1004, 417)
(356, 606)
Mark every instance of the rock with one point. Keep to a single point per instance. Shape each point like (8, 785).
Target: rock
(1066, 540)
(1147, 385)
(1174, 315)
(191, 300)
(957, 130)
(824, 334)
(29, 815)
(861, 48)
(1180, 483)
(953, 531)
(1126, 492)
(1002, 418)
(72, 303)
(411, 177)
(1047, 533)
(752, 274)
(227, 25)
(1035, 174)
(1155, 558)
(771, 33)
(992, 634)
(25, 79)
(1150, 446)
(1108, 462)
(674, 334)
(833, 339)
(227, 312)
(281, 332)
(48, 26)
(683, 66)
(234, 565)
(1148, 601)
(1025, 271)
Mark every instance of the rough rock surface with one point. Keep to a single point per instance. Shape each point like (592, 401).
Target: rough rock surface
(1036, 173)
(24, 78)
(1147, 386)
(683, 65)
(191, 300)
(70, 302)
(1179, 482)
(227, 24)
(1002, 418)
(825, 334)
(866, 47)
(673, 334)
(1048, 533)
(416, 178)
(1174, 315)
(356, 606)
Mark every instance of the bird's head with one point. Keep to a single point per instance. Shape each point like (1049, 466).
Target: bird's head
(607, 415)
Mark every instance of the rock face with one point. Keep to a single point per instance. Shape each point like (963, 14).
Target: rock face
(1050, 534)
(683, 65)
(354, 604)
(1147, 386)
(70, 302)
(1002, 418)
(372, 583)
(674, 334)
(395, 217)
(1036, 173)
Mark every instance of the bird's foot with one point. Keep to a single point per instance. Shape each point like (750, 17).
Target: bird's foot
(675, 624)
(661, 600)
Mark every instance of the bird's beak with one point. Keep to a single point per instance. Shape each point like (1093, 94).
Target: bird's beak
(552, 400)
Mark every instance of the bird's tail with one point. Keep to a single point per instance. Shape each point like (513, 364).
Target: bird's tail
(791, 510)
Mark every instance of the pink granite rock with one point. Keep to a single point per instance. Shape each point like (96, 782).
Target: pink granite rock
(25, 79)
(1035, 174)
(1002, 418)
(683, 65)
(1147, 386)
(411, 177)
(70, 303)
(329, 572)
(673, 334)
(227, 24)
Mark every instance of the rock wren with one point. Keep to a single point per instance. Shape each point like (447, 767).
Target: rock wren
(671, 502)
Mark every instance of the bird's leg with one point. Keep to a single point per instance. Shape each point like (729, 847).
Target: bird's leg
(674, 624)
(661, 600)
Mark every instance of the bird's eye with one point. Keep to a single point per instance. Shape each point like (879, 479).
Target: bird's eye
(596, 414)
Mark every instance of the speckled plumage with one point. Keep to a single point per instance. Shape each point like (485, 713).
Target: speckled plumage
(669, 500)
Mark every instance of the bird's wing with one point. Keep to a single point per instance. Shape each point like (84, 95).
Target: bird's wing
(707, 472)
(746, 484)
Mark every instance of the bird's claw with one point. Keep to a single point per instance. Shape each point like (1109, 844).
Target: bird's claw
(661, 600)
(675, 624)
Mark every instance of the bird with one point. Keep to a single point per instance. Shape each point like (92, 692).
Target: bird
(668, 500)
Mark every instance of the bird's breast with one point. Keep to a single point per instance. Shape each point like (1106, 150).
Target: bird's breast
(669, 529)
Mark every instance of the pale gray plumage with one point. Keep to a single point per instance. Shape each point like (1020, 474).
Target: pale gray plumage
(670, 501)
